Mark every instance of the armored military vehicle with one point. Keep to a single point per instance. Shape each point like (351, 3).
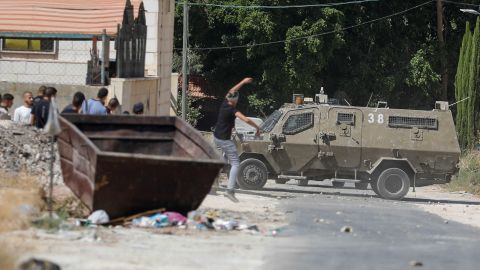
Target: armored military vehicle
(390, 149)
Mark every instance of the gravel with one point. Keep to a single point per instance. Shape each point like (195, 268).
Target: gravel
(26, 149)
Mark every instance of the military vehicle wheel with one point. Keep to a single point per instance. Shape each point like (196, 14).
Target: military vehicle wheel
(338, 184)
(361, 185)
(253, 174)
(281, 181)
(392, 184)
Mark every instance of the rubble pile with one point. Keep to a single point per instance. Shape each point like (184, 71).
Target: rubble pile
(26, 149)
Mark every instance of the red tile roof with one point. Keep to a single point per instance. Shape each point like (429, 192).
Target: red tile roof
(62, 16)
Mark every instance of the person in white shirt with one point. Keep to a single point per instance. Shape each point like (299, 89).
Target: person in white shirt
(22, 114)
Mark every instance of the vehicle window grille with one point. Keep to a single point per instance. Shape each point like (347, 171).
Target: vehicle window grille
(298, 123)
(410, 122)
(346, 118)
(271, 121)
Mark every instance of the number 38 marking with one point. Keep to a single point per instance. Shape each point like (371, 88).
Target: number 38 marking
(379, 118)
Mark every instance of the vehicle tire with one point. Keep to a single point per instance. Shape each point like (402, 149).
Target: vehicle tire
(361, 185)
(253, 174)
(392, 184)
(302, 183)
(281, 181)
(337, 184)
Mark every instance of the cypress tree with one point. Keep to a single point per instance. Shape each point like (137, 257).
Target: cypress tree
(471, 91)
(461, 86)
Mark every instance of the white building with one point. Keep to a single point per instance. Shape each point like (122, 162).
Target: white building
(49, 42)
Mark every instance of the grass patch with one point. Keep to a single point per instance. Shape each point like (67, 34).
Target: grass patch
(20, 200)
(7, 259)
(468, 178)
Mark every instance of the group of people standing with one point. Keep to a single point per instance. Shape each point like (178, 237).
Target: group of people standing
(34, 110)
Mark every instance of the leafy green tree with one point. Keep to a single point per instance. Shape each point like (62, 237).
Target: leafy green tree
(259, 105)
(397, 59)
(193, 112)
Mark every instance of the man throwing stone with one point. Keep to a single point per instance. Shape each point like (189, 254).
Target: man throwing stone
(223, 133)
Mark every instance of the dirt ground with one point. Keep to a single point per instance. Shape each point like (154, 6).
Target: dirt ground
(174, 248)
(171, 248)
(459, 206)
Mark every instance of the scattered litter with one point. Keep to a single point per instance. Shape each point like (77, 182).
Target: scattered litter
(98, 217)
(339, 212)
(225, 225)
(346, 229)
(38, 264)
(175, 218)
(416, 263)
(155, 221)
(445, 221)
(198, 220)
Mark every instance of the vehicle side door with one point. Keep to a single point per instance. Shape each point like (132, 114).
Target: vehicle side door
(299, 147)
(341, 135)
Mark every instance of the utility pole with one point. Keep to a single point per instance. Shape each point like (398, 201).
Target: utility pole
(443, 51)
(185, 60)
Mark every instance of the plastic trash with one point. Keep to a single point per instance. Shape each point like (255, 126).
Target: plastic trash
(175, 218)
(155, 221)
(225, 225)
(99, 217)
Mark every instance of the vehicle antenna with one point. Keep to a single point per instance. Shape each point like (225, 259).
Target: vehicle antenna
(347, 102)
(458, 102)
(370, 99)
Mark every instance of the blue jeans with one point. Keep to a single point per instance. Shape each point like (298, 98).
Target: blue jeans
(231, 156)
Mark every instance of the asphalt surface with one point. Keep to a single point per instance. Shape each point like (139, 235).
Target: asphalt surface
(384, 234)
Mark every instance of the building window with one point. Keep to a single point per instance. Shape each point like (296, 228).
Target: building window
(28, 45)
(297, 123)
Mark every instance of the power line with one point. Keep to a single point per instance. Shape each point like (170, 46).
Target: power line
(314, 35)
(280, 7)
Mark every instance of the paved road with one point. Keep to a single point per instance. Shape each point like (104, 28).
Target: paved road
(386, 234)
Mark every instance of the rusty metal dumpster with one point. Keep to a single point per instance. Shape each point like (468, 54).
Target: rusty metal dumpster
(129, 164)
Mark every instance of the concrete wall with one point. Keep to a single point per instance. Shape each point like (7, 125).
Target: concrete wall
(131, 91)
(64, 95)
(160, 21)
(128, 92)
(68, 67)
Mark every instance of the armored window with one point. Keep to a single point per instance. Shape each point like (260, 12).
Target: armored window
(271, 121)
(411, 122)
(298, 123)
(346, 118)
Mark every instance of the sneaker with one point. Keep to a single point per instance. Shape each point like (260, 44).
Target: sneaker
(231, 195)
